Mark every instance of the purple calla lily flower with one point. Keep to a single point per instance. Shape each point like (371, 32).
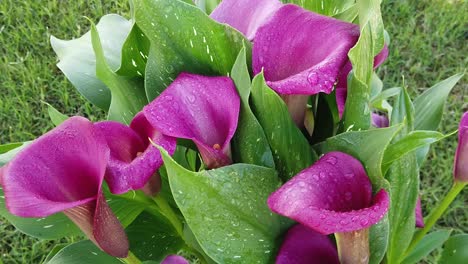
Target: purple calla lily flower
(202, 109)
(309, 50)
(133, 159)
(419, 214)
(333, 195)
(303, 245)
(460, 169)
(174, 259)
(245, 15)
(379, 120)
(63, 170)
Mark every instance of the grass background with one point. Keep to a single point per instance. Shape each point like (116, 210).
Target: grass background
(428, 44)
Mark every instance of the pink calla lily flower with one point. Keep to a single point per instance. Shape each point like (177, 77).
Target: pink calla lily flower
(245, 15)
(460, 168)
(174, 259)
(303, 245)
(333, 195)
(379, 121)
(202, 109)
(63, 171)
(133, 159)
(302, 52)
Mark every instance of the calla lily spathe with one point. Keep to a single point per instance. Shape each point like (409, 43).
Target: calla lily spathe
(303, 245)
(202, 109)
(247, 16)
(333, 195)
(133, 159)
(460, 170)
(174, 259)
(63, 171)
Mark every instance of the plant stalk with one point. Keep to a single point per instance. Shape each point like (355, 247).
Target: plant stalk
(436, 214)
(131, 259)
(353, 247)
(167, 211)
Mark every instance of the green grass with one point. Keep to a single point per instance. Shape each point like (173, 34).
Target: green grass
(428, 44)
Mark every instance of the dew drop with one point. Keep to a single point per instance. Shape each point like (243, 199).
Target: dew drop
(313, 78)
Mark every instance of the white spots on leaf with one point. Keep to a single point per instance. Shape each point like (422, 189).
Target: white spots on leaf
(211, 58)
(94, 253)
(48, 226)
(176, 16)
(143, 55)
(134, 63)
(207, 49)
(194, 31)
(191, 43)
(153, 24)
(204, 40)
(139, 73)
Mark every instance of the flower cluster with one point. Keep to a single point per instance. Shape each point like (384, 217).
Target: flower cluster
(303, 58)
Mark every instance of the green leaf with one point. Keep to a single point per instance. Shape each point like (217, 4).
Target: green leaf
(83, 252)
(403, 176)
(428, 244)
(291, 150)
(78, 62)
(455, 250)
(411, 142)
(55, 116)
(183, 38)
(128, 95)
(207, 5)
(52, 227)
(135, 52)
(348, 15)
(127, 207)
(54, 252)
(369, 44)
(152, 237)
(368, 146)
(8, 151)
(249, 144)
(429, 106)
(226, 210)
(328, 8)
(8, 147)
(403, 112)
(378, 240)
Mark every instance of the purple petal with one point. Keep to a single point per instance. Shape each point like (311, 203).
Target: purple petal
(245, 15)
(100, 225)
(342, 84)
(2, 172)
(461, 156)
(133, 160)
(302, 52)
(203, 109)
(419, 214)
(302, 245)
(379, 120)
(333, 195)
(174, 259)
(62, 169)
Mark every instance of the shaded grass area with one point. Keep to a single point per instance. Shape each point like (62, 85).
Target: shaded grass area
(428, 44)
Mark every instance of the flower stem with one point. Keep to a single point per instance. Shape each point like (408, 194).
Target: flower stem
(167, 211)
(436, 214)
(353, 247)
(131, 259)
